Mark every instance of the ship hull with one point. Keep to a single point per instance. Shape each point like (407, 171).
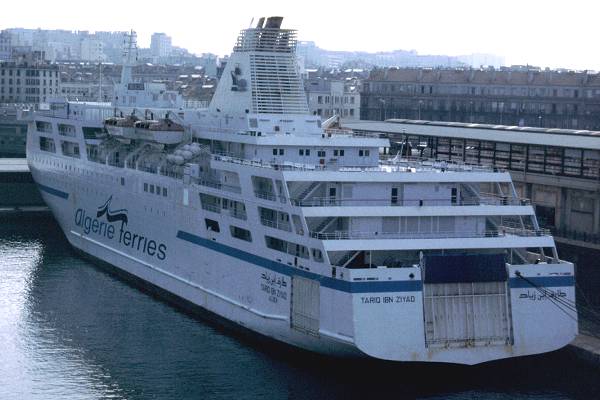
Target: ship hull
(178, 258)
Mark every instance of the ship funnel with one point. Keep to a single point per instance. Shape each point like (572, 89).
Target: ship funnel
(260, 23)
(274, 22)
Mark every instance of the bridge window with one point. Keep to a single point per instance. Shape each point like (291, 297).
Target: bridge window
(47, 144)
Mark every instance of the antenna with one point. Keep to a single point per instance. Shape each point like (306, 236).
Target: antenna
(251, 21)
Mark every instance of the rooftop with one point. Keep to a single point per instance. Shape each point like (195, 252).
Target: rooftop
(495, 133)
(505, 76)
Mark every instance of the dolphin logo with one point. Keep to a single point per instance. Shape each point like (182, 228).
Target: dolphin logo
(112, 216)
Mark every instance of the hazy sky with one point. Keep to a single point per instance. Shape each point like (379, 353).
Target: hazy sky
(544, 33)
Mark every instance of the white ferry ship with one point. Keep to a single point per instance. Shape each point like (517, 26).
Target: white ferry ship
(253, 211)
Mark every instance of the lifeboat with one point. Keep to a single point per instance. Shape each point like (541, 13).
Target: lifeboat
(163, 131)
(122, 126)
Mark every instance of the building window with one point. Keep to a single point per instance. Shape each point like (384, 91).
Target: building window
(321, 153)
(164, 190)
(301, 152)
(274, 152)
(280, 152)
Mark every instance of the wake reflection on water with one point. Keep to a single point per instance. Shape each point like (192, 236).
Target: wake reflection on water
(70, 330)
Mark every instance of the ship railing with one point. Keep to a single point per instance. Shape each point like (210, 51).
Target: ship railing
(217, 208)
(485, 199)
(218, 185)
(269, 196)
(382, 166)
(203, 128)
(330, 132)
(171, 173)
(500, 232)
(116, 163)
(286, 166)
(152, 170)
(281, 225)
(212, 207)
(434, 164)
(239, 214)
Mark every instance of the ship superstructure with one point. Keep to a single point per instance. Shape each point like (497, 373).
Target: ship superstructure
(253, 211)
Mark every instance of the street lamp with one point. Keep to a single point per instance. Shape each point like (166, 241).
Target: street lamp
(540, 120)
(420, 102)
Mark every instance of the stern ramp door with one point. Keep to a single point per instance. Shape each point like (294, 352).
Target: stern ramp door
(466, 301)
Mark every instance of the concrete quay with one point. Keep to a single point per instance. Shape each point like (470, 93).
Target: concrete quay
(586, 348)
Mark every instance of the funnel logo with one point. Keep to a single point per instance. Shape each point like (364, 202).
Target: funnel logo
(106, 229)
(112, 216)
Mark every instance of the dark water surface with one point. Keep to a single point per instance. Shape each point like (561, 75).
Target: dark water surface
(70, 330)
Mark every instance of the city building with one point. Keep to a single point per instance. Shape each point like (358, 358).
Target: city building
(328, 97)
(314, 57)
(523, 96)
(209, 63)
(92, 50)
(160, 45)
(5, 45)
(28, 80)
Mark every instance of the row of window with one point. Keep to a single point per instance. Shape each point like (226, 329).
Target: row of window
(151, 188)
(480, 90)
(322, 153)
(29, 72)
(335, 99)
(219, 205)
(30, 82)
(345, 112)
(294, 249)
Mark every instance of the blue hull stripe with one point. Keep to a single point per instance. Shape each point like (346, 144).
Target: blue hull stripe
(52, 191)
(543, 281)
(336, 284)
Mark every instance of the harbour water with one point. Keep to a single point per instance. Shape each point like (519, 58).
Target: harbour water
(71, 330)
